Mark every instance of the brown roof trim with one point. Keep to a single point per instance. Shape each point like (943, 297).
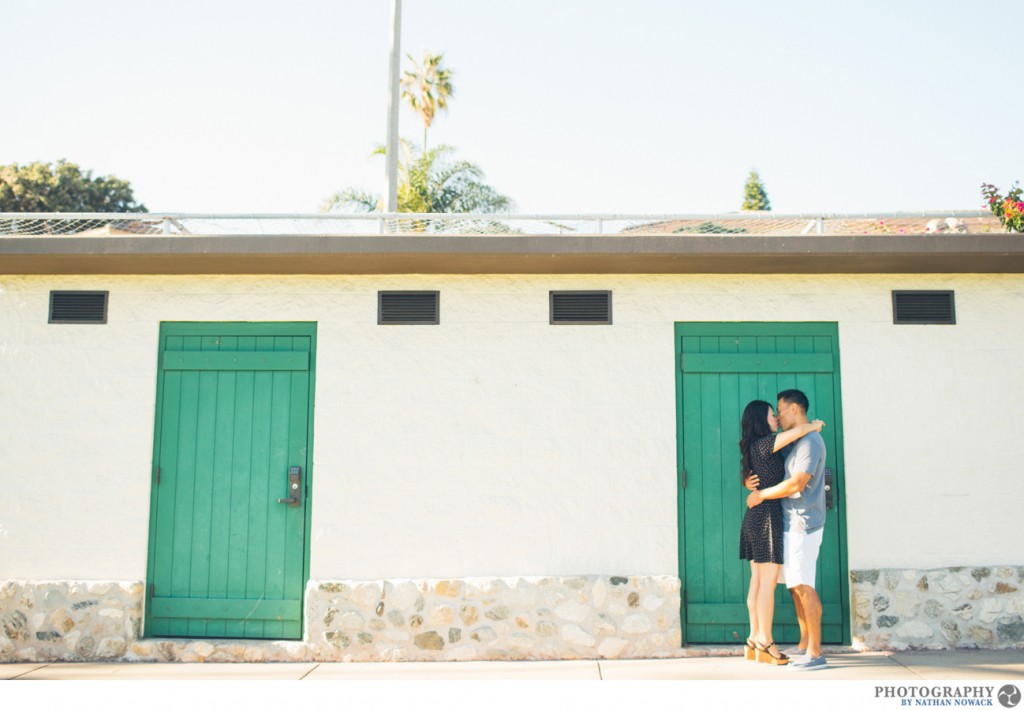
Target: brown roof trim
(924, 253)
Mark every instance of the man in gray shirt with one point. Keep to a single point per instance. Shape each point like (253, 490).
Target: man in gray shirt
(803, 508)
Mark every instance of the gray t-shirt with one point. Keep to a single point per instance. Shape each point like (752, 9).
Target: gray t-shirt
(806, 510)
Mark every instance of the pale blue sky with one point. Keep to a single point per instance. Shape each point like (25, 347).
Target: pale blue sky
(568, 105)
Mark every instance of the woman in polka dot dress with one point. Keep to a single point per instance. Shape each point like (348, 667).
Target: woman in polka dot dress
(761, 532)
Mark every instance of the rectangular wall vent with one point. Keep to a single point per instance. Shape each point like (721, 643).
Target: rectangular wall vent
(581, 307)
(408, 307)
(923, 307)
(78, 306)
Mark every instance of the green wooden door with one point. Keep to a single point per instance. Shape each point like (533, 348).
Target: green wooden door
(722, 366)
(226, 559)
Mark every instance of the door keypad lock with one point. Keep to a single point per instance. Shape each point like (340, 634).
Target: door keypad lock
(830, 497)
(294, 499)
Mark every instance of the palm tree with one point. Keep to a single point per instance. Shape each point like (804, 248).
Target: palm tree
(431, 181)
(427, 88)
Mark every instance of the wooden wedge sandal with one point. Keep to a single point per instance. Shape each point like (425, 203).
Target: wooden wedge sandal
(765, 655)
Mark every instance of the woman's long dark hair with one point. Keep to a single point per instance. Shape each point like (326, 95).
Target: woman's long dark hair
(753, 425)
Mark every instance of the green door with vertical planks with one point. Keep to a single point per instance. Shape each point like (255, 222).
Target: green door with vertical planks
(720, 368)
(234, 416)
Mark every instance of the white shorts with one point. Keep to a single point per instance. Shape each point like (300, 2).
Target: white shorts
(800, 556)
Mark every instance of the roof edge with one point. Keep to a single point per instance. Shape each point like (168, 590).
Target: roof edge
(292, 254)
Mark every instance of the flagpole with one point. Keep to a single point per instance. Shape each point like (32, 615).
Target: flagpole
(391, 150)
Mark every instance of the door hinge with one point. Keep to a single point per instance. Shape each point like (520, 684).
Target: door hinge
(681, 356)
(686, 598)
(152, 590)
(158, 475)
(684, 478)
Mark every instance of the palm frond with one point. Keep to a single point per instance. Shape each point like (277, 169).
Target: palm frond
(351, 200)
(431, 181)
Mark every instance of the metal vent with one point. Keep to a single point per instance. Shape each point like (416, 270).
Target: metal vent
(78, 306)
(581, 307)
(408, 307)
(923, 307)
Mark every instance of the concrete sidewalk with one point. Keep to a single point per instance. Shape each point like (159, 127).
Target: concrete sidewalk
(914, 666)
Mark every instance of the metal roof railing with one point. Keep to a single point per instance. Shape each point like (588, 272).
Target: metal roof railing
(61, 224)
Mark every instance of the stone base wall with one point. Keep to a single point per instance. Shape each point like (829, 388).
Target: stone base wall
(68, 621)
(955, 607)
(495, 619)
(400, 620)
(528, 618)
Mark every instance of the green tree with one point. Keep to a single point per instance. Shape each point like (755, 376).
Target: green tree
(431, 181)
(62, 187)
(755, 197)
(427, 88)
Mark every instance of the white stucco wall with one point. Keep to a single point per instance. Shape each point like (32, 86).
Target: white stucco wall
(496, 444)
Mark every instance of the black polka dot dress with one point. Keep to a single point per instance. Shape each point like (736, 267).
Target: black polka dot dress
(761, 532)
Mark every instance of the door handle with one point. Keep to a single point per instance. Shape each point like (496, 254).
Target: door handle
(294, 488)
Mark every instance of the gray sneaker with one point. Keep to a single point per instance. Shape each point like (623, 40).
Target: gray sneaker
(806, 663)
